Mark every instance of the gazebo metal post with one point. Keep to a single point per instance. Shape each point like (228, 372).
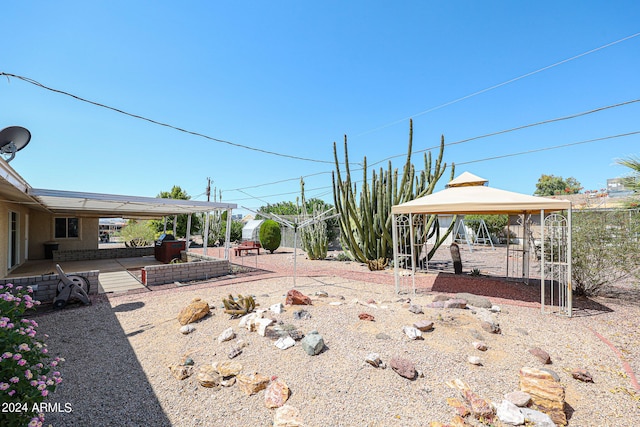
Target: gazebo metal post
(542, 261)
(525, 248)
(394, 236)
(569, 262)
(413, 258)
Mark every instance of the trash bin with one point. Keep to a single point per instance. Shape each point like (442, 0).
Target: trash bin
(49, 247)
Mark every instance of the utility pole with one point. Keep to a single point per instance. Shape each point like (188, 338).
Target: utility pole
(208, 189)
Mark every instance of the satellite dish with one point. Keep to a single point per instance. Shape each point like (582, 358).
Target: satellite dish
(12, 140)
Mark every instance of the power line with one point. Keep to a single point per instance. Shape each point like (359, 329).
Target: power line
(136, 116)
(558, 119)
(446, 104)
(550, 148)
(544, 122)
(555, 147)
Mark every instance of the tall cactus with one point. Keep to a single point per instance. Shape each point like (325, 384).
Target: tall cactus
(366, 227)
(314, 236)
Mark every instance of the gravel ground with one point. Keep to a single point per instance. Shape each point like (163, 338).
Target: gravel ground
(118, 350)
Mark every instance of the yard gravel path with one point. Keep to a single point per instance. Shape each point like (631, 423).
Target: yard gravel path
(118, 350)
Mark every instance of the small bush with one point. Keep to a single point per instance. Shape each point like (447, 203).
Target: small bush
(270, 235)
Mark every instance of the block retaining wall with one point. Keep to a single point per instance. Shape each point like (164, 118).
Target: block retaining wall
(196, 267)
(48, 283)
(110, 253)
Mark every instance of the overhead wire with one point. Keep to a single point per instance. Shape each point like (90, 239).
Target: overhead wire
(156, 122)
(555, 147)
(446, 104)
(504, 131)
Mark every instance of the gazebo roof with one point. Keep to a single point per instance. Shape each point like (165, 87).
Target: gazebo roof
(467, 194)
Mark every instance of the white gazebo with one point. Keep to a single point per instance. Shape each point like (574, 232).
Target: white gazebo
(468, 194)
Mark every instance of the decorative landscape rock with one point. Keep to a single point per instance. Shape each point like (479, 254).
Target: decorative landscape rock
(296, 334)
(276, 394)
(480, 345)
(295, 297)
(412, 333)
(262, 325)
(403, 367)
(252, 383)
(195, 311)
(474, 300)
(227, 369)
(234, 352)
(582, 375)
(416, 309)
(187, 329)
(321, 294)
(518, 398)
(541, 354)
(547, 394)
(284, 343)
(366, 316)
(312, 343)
(509, 413)
(181, 372)
(474, 360)
(373, 359)
(287, 416)
(277, 308)
(480, 408)
(226, 335)
(423, 325)
(436, 304)
(455, 303)
(301, 315)
(208, 377)
(491, 327)
(539, 419)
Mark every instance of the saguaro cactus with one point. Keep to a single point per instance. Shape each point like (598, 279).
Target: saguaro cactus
(366, 227)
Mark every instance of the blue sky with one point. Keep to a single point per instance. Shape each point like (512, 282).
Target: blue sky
(292, 77)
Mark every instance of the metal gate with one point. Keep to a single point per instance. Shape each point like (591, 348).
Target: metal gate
(556, 264)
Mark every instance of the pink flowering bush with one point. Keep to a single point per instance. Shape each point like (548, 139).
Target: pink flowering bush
(27, 373)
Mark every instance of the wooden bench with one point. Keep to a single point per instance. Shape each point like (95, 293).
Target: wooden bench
(246, 247)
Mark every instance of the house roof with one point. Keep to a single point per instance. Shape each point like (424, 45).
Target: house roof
(472, 197)
(14, 189)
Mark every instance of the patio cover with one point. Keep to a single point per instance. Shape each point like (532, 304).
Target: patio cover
(111, 205)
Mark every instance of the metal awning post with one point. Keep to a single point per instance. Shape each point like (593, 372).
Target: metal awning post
(188, 236)
(175, 226)
(227, 235)
(164, 230)
(205, 238)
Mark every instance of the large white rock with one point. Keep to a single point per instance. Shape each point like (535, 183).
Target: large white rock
(276, 308)
(411, 332)
(509, 413)
(226, 335)
(262, 325)
(284, 343)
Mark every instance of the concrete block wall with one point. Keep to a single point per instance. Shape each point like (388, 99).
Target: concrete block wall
(47, 284)
(110, 253)
(197, 267)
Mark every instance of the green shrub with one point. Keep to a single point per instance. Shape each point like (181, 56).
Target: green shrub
(270, 235)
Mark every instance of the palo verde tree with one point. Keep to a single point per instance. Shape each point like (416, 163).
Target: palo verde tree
(366, 224)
